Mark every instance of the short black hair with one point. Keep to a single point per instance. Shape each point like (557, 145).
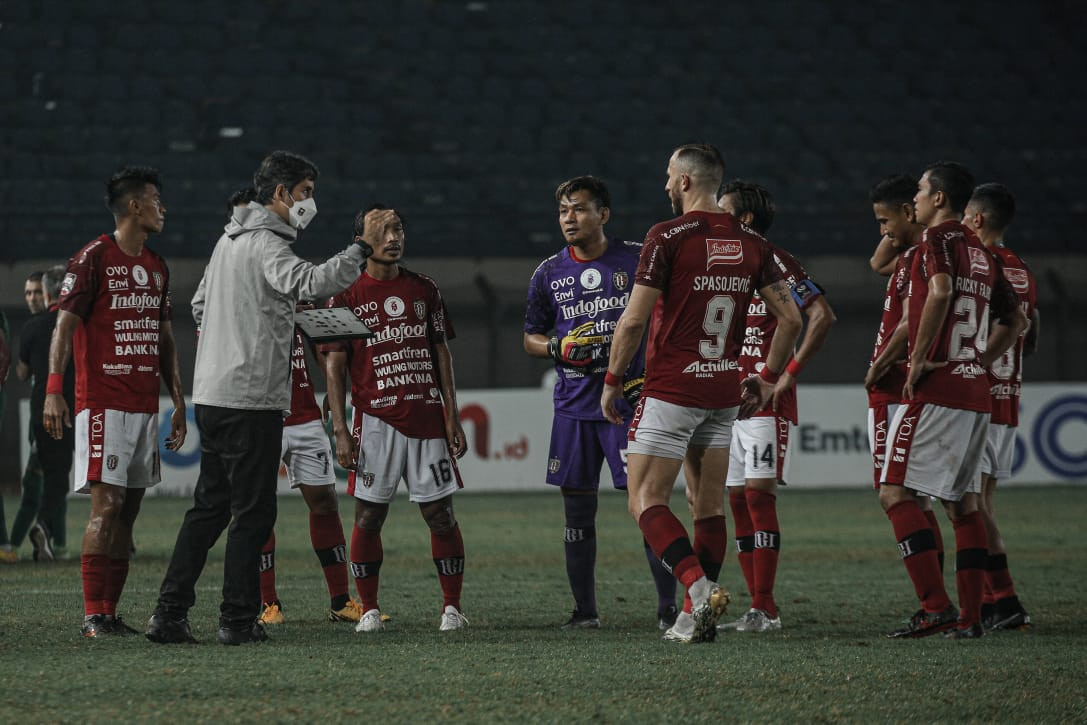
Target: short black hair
(52, 279)
(596, 188)
(35, 276)
(893, 190)
(754, 198)
(996, 203)
(704, 160)
(955, 180)
(129, 183)
(360, 218)
(282, 167)
(241, 197)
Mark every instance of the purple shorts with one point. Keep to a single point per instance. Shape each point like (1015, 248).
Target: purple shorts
(579, 447)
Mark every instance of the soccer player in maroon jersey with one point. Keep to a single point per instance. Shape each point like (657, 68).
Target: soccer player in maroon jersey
(406, 423)
(988, 214)
(759, 454)
(938, 433)
(115, 305)
(892, 205)
(703, 268)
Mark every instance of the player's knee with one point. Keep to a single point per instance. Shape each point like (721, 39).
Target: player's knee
(890, 495)
(321, 499)
(439, 516)
(370, 516)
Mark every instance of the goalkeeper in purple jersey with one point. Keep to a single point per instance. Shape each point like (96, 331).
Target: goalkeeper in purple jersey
(574, 300)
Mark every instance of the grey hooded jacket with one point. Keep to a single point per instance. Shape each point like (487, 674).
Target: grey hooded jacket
(244, 308)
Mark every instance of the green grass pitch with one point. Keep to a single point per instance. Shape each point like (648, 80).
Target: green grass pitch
(840, 587)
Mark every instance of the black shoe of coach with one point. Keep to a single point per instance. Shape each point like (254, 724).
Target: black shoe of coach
(253, 633)
(164, 630)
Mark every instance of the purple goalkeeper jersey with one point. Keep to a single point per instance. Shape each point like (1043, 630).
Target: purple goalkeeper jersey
(566, 292)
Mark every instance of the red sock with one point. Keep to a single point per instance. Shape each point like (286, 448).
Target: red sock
(934, 524)
(745, 535)
(918, 549)
(448, 553)
(326, 536)
(366, 558)
(710, 542)
(971, 556)
(115, 584)
(94, 569)
(268, 570)
(669, 542)
(998, 580)
(764, 518)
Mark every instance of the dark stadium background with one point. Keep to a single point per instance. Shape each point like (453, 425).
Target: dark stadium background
(466, 115)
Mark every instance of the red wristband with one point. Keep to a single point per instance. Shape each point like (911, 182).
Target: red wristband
(768, 375)
(613, 380)
(54, 384)
(794, 368)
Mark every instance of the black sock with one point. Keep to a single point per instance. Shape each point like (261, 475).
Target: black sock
(580, 539)
(662, 579)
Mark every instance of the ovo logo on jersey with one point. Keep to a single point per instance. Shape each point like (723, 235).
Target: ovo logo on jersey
(723, 251)
(394, 306)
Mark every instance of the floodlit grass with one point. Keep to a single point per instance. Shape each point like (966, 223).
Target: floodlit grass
(840, 587)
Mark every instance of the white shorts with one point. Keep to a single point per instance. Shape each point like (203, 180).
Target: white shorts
(115, 447)
(999, 453)
(666, 430)
(879, 423)
(936, 450)
(386, 456)
(760, 449)
(307, 455)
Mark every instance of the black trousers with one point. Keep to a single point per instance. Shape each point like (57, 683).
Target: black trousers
(239, 468)
(56, 461)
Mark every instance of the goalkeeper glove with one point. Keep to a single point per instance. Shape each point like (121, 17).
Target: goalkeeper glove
(632, 390)
(576, 347)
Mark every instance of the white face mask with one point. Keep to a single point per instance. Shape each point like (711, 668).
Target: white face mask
(302, 213)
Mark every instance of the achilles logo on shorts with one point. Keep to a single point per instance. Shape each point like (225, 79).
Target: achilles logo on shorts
(111, 462)
(367, 479)
(968, 371)
(723, 251)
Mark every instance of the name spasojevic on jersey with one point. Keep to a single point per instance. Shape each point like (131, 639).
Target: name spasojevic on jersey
(566, 292)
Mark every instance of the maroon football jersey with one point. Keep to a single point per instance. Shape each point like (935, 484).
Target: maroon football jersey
(761, 325)
(978, 289)
(303, 403)
(888, 389)
(707, 266)
(393, 374)
(123, 301)
(1006, 373)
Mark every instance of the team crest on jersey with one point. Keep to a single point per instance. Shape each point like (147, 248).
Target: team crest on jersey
(420, 308)
(367, 479)
(553, 465)
(723, 251)
(68, 283)
(140, 275)
(158, 280)
(620, 280)
(591, 278)
(1018, 278)
(433, 392)
(394, 306)
(979, 261)
(111, 462)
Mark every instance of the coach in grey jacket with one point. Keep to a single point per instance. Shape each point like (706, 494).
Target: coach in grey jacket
(241, 388)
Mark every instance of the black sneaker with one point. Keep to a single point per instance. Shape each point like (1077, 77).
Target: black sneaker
(39, 538)
(118, 626)
(973, 631)
(1009, 614)
(164, 630)
(988, 615)
(581, 620)
(667, 617)
(233, 637)
(96, 625)
(923, 623)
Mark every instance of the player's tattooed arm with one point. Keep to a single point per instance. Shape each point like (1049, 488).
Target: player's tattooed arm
(454, 433)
